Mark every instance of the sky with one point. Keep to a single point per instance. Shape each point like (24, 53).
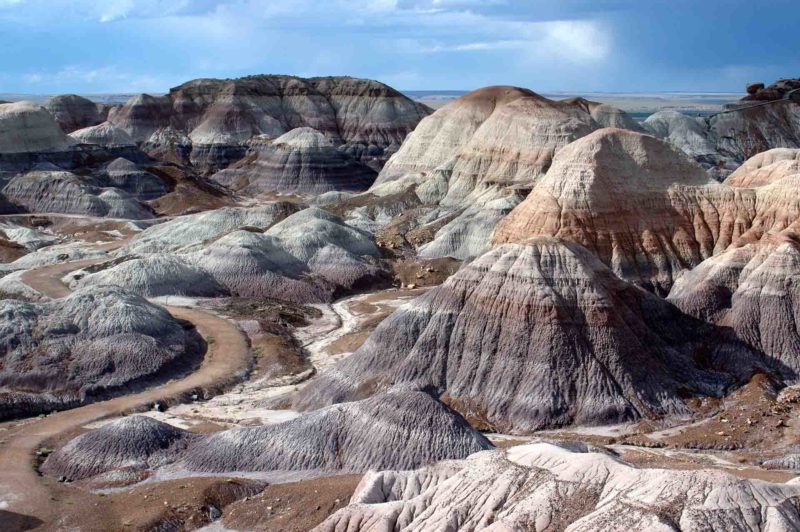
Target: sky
(108, 46)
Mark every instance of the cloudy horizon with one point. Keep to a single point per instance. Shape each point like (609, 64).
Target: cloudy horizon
(122, 46)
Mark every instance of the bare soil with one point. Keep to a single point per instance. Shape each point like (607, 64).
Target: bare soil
(292, 507)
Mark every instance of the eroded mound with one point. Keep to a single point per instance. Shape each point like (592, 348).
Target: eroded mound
(644, 208)
(25, 128)
(542, 487)
(753, 289)
(401, 429)
(51, 190)
(96, 343)
(765, 168)
(300, 161)
(133, 442)
(364, 118)
(542, 335)
(310, 256)
(73, 112)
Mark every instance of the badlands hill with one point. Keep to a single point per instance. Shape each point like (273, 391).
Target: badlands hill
(415, 429)
(766, 119)
(51, 190)
(469, 163)
(300, 161)
(644, 208)
(309, 256)
(91, 345)
(755, 290)
(547, 487)
(363, 118)
(542, 335)
(73, 112)
(27, 128)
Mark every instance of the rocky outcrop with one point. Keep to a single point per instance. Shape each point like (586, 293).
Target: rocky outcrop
(541, 335)
(54, 191)
(364, 118)
(311, 256)
(415, 429)
(753, 289)
(644, 208)
(103, 134)
(96, 343)
(578, 488)
(73, 112)
(781, 89)
(765, 168)
(300, 161)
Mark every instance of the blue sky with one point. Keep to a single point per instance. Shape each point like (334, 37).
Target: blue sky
(91, 46)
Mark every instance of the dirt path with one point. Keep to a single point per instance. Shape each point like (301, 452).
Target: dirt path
(22, 492)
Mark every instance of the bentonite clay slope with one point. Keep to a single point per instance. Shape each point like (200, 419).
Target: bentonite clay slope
(541, 335)
(545, 487)
(95, 343)
(73, 112)
(400, 429)
(753, 289)
(644, 208)
(765, 168)
(365, 118)
(301, 161)
(25, 128)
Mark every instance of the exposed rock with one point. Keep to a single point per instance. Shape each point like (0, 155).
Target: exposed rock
(644, 208)
(541, 335)
(413, 429)
(765, 168)
(753, 289)
(779, 90)
(25, 127)
(91, 345)
(300, 161)
(366, 119)
(51, 191)
(103, 134)
(545, 487)
(73, 112)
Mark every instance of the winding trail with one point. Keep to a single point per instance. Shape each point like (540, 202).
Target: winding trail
(23, 492)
